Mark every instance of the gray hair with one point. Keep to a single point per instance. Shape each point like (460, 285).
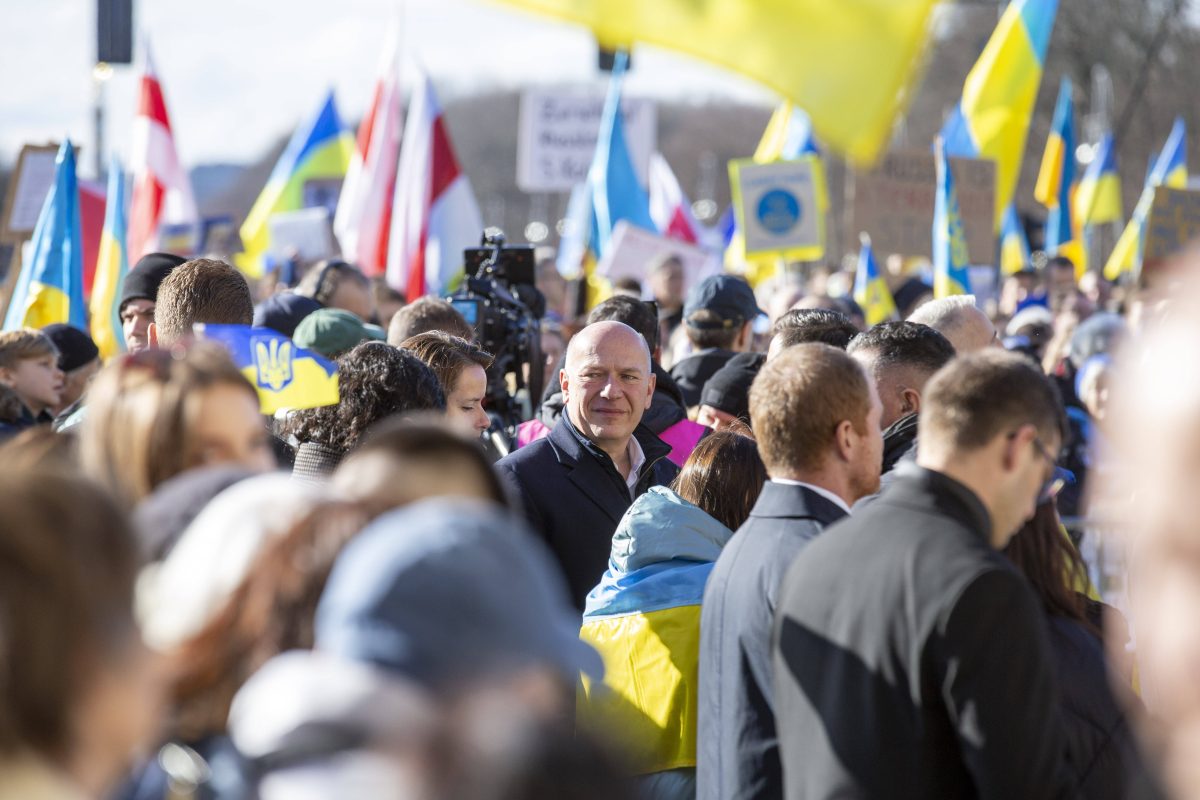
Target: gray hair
(944, 314)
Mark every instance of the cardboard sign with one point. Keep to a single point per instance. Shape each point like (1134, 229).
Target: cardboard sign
(27, 190)
(1174, 221)
(633, 251)
(557, 137)
(306, 231)
(776, 205)
(894, 204)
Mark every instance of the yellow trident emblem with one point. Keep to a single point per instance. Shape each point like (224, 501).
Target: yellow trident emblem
(273, 360)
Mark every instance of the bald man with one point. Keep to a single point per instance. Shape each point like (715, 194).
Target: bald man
(576, 484)
(959, 320)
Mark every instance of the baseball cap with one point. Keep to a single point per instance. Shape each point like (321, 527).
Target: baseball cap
(727, 296)
(447, 591)
(333, 331)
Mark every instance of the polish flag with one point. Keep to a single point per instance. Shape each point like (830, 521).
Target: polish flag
(162, 190)
(669, 206)
(434, 213)
(364, 211)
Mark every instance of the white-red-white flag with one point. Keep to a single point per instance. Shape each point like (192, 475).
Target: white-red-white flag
(162, 190)
(669, 206)
(364, 212)
(434, 213)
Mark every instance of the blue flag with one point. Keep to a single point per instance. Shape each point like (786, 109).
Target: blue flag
(50, 285)
(285, 375)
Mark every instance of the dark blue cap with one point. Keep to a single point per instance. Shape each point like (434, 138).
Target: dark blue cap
(727, 296)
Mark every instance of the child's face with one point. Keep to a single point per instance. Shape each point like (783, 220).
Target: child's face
(37, 381)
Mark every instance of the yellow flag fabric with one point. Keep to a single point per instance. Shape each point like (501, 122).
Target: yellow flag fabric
(847, 63)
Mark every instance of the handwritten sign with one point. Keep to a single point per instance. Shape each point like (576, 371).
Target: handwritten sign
(1174, 221)
(894, 204)
(557, 137)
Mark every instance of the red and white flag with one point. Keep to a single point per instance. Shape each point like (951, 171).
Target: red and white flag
(364, 211)
(162, 190)
(669, 206)
(434, 214)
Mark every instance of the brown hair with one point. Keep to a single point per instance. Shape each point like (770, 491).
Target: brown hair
(201, 290)
(723, 476)
(22, 344)
(67, 566)
(446, 355)
(722, 334)
(270, 612)
(798, 400)
(1042, 551)
(418, 444)
(428, 314)
(141, 408)
(979, 396)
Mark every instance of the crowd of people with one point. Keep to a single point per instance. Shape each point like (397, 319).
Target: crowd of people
(732, 553)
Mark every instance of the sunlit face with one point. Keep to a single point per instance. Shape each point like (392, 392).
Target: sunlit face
(37, 382)
(136, 316)
(354, 297)
(1033, 468)
(715, 418)
(464, 405)
(607, 384)
(228, 429)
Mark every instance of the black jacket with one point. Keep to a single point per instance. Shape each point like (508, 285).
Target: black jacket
(911, 659)
(1103, 752)
(900, 441)
(694, 371)
(573, 496)
(737, 754)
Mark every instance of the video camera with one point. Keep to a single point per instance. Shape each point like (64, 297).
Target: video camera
(499, 299)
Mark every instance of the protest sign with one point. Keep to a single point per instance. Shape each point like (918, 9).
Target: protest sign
(776, 206)
(557, 137)
(633, 251)
(27, 189)
(1174, 221)
(894, 204)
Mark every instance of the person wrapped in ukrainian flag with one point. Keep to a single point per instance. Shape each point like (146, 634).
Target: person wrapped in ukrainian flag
(644, 616)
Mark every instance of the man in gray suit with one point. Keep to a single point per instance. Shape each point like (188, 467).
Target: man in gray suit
(816, 418)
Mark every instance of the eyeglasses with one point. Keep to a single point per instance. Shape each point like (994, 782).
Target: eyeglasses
(1058, 477)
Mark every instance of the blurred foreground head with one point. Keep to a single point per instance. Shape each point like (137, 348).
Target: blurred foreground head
(1151, 496)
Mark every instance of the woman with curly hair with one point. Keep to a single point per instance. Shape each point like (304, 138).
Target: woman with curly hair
(375, 381)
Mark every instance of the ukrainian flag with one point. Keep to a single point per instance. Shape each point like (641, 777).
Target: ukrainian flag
(1098, 198)
(1169, 169)
(1057, 174)
(321, 149)
(286, 376)
(1014, 246)
(788, 136)
(950, 257)
(992, 119)
(112, 264)
(50, 285)
(870, 290)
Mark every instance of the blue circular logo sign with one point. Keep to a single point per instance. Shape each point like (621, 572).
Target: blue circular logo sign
(778, 211)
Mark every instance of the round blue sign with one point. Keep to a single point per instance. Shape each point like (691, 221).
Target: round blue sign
(778, 211)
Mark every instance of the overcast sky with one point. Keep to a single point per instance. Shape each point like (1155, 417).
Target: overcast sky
(239, 73)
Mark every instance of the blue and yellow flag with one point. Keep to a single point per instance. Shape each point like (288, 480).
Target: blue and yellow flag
(50, 285)
(992, 119)
(1057, 175)
(1169, 169)
(849, 63)
(1098, 198)
(1014, 245)
(112, 264)
(950, 258)
(319, 150)
(788, 136)
(871, 292)
(285, 375)
(616, 192)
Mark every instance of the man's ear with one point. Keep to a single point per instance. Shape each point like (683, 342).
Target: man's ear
(910, 400)
(152, 334)
(6, 377)
(562, 382)
(844, 436)
(651, 384)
